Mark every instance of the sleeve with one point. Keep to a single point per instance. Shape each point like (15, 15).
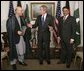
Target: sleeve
(73, 28)
(36, 23)
(51, 21)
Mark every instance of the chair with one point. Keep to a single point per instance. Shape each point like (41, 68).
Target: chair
(4, 53)
(80, 55)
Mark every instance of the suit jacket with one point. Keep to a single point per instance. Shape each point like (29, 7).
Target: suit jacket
(44, 31)
(67, 28)
(27, 34)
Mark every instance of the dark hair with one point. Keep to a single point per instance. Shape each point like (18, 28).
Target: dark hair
(65, 7)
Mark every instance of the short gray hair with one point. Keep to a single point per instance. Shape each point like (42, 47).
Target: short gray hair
(44, 7)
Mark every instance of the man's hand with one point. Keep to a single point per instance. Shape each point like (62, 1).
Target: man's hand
(20, 33)
(50, 28)
(58, 39)
(29, 25)
(71, 41)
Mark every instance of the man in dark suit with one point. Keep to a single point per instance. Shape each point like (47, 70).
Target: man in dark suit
(67, 29)
(44, 23)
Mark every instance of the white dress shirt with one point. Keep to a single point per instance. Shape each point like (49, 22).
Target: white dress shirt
(65, 17)
(44, 16)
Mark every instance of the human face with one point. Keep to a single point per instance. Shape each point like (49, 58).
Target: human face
(19, 11)
(65, 11)
(42, 11)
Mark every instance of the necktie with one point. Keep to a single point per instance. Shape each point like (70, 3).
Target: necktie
(64, 18)
(42, 19)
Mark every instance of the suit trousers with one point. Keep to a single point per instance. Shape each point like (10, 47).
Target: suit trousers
(44, 48)
(66, 52)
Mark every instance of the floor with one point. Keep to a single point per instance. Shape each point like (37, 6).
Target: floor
(33, 64)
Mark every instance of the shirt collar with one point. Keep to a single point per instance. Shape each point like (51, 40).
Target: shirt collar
(66, 16)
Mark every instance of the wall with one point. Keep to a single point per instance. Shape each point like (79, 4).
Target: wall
(5, 10)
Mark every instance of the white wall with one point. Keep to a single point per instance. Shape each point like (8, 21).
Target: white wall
(5, 10)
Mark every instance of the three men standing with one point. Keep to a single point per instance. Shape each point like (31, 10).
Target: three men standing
(44, 22)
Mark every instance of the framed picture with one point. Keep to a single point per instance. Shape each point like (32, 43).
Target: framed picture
(35, 7)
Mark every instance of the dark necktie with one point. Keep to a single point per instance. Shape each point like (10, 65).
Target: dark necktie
(64, 18)
(42, 19)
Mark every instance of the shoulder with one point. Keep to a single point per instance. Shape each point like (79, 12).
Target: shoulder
(72, 17)
(49, 15)
(12, 18)
(60, 18)
(38, 16)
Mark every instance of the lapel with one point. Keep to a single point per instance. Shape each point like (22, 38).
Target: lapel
(66, 19)
(46, 18)
(40, 22)
(17, 23)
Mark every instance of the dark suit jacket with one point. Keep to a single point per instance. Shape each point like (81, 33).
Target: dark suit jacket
(44, 31)
(67, 29)
(27, 34)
